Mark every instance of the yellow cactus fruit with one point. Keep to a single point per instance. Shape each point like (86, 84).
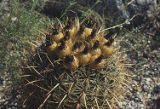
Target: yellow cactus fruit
(78, 47)
(80, 33)
(67, 39)
(71, 62)
(92, 59)
(86, 32)
(102, 40)
(105, 39)
(98, 63)
(95, 52)
(63, 50)
(74, 29)
(51, 48)
(84, 57)
(107, 49)
(92, 37)
(72, 32)
(57, 37)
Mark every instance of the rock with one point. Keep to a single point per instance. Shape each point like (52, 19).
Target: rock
(1, 101)
(6, 102)
(13, 108)
(115, 9)
(15, 104)
(1, 81)
(24, 106)
(18, 96)
(156, 89)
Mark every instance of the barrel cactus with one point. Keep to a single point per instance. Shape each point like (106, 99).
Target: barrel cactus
(75, 68)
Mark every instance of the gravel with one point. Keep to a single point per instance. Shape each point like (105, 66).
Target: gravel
(145, 60)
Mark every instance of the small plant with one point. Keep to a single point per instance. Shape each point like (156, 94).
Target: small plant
(19, 29)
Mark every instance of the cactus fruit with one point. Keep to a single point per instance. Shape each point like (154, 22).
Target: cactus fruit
(107, 48)
(51, 48)
(85, 43)
(71, 62)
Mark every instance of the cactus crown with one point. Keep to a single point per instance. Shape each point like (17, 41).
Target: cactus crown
(73, 35)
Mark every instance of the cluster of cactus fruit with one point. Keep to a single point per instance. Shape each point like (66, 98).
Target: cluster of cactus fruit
(78, 45)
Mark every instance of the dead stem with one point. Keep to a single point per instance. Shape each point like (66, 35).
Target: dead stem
(110, 107)
(27, 97)
(37, 72)
(40, 107)
(84, 98)
(117, 100)
(61, 101)
(69, 90)
(23, 76)
(50, 61)
(53, 88)
(41, 88)
(60, 23)
(96, 103)
(40, 58)
(77, 107)
(31, 82)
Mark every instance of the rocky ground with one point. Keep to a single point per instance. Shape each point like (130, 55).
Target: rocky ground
(143, 58)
